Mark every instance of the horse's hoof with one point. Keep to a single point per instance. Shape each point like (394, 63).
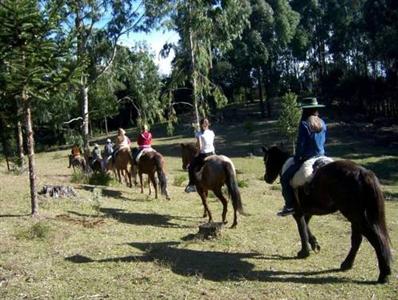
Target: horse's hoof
(233, 226)
(383, 279)
(303, 254)
(346, 265)
(316, 248)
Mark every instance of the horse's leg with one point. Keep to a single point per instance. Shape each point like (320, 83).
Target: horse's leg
(384, 264)
(149, 186)
(203, 196)
(303, 231)
(119, 176)
(153, 180)
(356, 239)
(311, 238)
(142, 186)
(224, 202)
(204, 208)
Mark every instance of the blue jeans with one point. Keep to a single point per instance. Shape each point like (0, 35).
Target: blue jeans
(287, 190)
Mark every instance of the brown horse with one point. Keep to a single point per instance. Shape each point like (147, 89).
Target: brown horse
(78, 162)
(217, 171)
(339, 186)
(188, 152)
(150, 163)
(121, 164)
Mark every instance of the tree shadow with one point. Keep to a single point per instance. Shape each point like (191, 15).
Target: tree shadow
(14, 216)
(145, 219)
(216, 266)
(386, 169)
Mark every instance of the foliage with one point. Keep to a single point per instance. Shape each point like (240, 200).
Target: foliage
(100, 178)
(40, 230)
(179, 180)
(289, 117)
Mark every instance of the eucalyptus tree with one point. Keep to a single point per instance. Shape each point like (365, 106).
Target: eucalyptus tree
(206, 28)
(96, 26)
(140, 83)
(32, 49)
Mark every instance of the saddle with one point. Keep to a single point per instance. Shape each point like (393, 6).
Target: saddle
(142, 152)
(307, 170)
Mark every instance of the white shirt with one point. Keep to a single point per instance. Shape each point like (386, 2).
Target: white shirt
(206, 140)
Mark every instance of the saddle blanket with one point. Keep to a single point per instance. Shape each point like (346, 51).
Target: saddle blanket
(307, 169)
(142, 152)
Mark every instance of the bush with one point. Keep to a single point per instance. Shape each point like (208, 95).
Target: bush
(40, 230)
(180, 179)
(243, 183)
(80, 177)
(100, 179)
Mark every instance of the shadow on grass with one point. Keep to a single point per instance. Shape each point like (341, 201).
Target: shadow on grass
(150, 219)
(15, 216)
(386, 169)
(215, 265)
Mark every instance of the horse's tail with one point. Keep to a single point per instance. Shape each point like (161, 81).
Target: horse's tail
(232, 185)
(161, 175)
(375, 212)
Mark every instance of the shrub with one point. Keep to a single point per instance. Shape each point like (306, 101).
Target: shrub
(80, 177)
(180, 179)
(40, 230)
(243, 183)
(100, 179)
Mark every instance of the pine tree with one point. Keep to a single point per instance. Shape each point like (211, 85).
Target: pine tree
(31, 50)
(289, 118)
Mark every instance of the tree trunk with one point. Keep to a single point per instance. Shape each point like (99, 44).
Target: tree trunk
(85, 116)
(260, 89)
(20, 144)
(4, 143)
(194, 83)
(106, 125)
(31, 153)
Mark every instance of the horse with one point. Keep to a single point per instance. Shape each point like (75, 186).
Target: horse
(151, 162)
(188, 152)
(77, 161)
(217, 171)
(121, 163)
(339, 186)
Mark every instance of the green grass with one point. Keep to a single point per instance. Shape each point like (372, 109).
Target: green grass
(116, 243)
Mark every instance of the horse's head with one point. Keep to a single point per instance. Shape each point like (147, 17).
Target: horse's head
(274, 158)
(188, 152)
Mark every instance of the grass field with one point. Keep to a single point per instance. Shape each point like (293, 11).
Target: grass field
(116, 243)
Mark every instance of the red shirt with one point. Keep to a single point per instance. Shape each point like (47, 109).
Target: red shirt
(144, 140)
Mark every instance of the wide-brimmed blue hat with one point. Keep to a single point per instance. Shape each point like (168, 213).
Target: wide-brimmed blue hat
(310, 102)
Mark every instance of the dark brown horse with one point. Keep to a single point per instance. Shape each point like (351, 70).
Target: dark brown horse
(151, 163)
(339, 186)
(217, 171)
(188, 152)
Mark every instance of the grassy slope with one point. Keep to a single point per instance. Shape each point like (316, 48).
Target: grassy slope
(132, 247)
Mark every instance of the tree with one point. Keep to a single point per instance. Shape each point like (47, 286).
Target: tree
(138, 74)
(206, 28)
(32, 49)
(289, 118)
(95, 48)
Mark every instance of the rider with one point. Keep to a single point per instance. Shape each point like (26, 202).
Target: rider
(122, 141)
(144, 141)
(310, 143)
(205, 143)
(96, 154)
(108, 148)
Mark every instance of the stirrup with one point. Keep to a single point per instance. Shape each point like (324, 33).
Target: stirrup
(190, 189)
(286, 211)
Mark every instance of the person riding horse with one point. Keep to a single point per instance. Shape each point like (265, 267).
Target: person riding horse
(205, 143)
(144, 142)
(310, 143)
(108, 148)
(122, 141)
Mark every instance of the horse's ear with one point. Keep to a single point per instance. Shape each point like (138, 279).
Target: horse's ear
(265, 149)
(182, 145)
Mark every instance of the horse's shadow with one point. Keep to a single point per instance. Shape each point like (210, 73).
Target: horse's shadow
(217, 266)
